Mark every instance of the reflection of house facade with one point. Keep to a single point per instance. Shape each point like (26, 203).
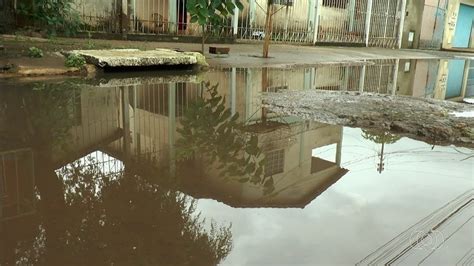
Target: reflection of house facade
(154, 111)
(17, 180)
(439, 79)
(298, 176)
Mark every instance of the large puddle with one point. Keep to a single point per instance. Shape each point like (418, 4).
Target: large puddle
(186, 169)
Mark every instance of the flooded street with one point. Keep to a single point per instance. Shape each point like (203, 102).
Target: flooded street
(185, 168)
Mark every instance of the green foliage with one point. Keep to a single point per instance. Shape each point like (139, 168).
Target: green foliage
(211, 12)
(90, 44)
(54, 15)
(211, 134)
(75, 60)
(35, 52)
(52, 110)
(380, 137)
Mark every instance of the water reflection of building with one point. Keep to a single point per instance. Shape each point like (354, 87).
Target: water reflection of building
(439, 79)
(154, 114)
(299, 177)
(149, 109)
(17, 181)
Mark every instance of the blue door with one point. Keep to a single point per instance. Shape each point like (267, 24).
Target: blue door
(455, 78)
(463, 31)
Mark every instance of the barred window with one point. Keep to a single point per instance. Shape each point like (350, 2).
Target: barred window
(335, 3)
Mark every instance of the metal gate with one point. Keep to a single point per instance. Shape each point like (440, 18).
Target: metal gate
(342, 21)
(100, 15)
(385, 23)
(291, 21)
(17, 182)
(364, 22)
(432, 25)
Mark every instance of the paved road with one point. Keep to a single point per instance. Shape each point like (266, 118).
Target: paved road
(282, 55)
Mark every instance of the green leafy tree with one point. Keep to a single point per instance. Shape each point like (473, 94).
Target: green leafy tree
(210, 14)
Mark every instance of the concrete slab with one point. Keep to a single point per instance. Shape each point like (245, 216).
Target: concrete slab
(136, 57)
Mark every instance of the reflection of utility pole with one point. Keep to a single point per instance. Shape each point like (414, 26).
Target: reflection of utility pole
(381, 164)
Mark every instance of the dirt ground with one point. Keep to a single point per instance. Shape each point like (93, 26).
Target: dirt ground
(429, 120)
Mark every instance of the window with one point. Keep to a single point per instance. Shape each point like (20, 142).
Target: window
(335, 3)
(274, 162)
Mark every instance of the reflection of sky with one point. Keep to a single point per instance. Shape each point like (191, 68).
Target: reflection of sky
(105, 163)
(358, 214)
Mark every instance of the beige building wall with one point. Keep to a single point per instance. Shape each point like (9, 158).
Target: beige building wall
(413, 23)
(406, 75)
(420, 79)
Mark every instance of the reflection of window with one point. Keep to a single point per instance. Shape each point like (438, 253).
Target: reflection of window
(276, 88)
(335, 3)
(283, 2)
(155, 98)
(274, 162)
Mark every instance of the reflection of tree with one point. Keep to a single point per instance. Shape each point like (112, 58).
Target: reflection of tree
(51, 109)
(124, 219)
(380, 138)
(211, 134)
(87, 218)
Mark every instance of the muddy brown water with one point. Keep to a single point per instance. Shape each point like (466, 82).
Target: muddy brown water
(162, 169)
